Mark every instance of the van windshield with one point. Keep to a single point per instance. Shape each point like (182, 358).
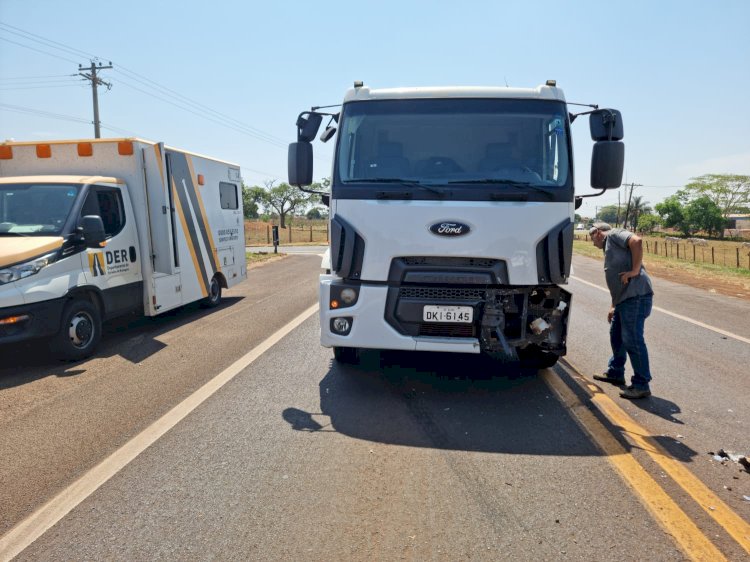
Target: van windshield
(35, 209)
(468, 143)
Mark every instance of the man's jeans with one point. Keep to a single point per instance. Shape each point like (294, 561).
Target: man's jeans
(626, 337)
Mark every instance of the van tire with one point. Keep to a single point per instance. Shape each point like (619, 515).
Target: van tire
(214, 294)
(80, 330)
(346, 355)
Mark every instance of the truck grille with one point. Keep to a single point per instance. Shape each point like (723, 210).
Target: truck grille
(441, 293)
(448, 330)
(453, 262)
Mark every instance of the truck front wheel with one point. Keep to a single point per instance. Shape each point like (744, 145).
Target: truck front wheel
(347, 355)
(534, 358)
(80, 331)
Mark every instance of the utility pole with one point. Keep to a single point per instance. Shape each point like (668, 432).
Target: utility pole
(617, 221)
(630, 197)
(95, 82)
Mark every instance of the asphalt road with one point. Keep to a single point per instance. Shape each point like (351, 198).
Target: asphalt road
(410, 456)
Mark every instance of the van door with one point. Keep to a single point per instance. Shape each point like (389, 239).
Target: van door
(114, 268)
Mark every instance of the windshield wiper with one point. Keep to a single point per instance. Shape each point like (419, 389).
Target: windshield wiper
(512, 183)
(405, 183)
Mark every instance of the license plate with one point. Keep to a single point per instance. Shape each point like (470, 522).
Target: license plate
(457, 314)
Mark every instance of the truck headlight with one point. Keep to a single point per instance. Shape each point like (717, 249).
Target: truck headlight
(22, 270)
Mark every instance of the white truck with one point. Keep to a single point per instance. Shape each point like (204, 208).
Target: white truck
(92, 229)
(451, 216)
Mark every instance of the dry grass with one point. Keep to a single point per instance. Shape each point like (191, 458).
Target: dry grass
(713, 278)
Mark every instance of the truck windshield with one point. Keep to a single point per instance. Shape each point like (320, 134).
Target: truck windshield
(469, 143)
(35, 209)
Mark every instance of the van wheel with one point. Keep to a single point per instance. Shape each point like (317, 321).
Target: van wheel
(346, 355)
(214, 294)
(80, 331)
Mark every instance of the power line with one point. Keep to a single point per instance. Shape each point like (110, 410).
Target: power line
(41, 87)
(231, 122)
(37, 50)
(44, 41)
(27, 78)
(60, 116)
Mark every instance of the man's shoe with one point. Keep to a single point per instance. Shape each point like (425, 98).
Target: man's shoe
(606, 377)
(635, 393)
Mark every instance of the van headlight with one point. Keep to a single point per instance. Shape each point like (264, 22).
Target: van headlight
(22, 270)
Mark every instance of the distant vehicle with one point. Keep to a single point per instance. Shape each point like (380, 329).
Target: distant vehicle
(452, 214)
(92, 229)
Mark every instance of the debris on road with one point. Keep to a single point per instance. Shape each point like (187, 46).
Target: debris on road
(723, 456)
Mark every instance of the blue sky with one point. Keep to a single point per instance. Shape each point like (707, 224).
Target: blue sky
(678, 71)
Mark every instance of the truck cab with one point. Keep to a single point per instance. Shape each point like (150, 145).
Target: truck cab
(452, 218)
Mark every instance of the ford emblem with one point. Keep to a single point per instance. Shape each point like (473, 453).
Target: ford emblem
(449, 228)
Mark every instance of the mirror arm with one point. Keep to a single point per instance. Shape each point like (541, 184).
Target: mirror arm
(592, 194)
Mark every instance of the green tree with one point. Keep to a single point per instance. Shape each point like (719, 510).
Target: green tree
(251, 199)
(730, 192)
(672, 213)
(608, 213)
(284, 199)
(638, 207)
(648, 223)
(704, 214)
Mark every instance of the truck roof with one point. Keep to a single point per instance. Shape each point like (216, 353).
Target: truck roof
(123, 139)
(60, 179)
(542, 92)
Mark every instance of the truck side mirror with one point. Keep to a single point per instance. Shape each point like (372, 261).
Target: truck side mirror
(307, 127)
(92, 230)
(608, 157)
(300, 163)
(607, 163)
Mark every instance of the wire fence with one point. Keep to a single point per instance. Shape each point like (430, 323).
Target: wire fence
(728, 254)
(297, 231)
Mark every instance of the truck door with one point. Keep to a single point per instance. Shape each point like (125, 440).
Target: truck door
(115, 268)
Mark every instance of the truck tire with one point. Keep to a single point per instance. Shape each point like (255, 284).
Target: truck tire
(535, 358)
(346, 355)
(80, 330)
(214, 294)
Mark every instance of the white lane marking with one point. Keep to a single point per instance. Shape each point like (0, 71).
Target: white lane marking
(678, 316)
(36, 524)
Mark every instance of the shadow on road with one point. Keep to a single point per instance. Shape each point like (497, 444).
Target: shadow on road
(135, 338)
(446, 401)
(451, 401)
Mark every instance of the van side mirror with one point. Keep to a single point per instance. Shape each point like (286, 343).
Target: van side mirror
(300, 163)
(92, 229)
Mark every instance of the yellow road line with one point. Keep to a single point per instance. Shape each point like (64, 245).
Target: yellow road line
(663, 508)
(39, 522)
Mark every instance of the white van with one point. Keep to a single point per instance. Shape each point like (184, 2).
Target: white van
(92, 229)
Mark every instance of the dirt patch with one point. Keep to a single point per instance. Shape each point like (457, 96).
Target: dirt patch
(711, 283)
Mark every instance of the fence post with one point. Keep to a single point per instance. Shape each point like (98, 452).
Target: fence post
(290, 233)
(268, 234)
(646, 246)
(326, 232)
(738, 256)
(713, 261)
(693, 252)
(678, 250)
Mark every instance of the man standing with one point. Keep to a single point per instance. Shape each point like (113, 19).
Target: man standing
(632, 298)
